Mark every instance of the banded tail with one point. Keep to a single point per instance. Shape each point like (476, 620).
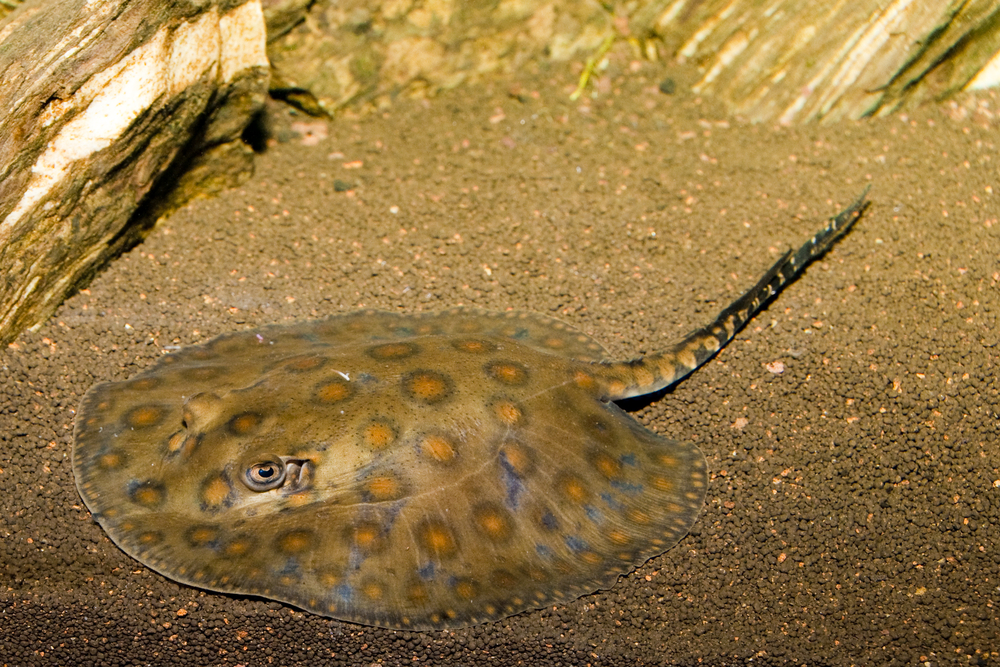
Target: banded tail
(657, 371)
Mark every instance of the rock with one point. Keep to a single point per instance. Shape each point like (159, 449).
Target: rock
(355, 52)
(790, 62)
(816, 61)
(101, 103)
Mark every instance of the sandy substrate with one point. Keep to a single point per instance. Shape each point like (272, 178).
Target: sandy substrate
(853, 514)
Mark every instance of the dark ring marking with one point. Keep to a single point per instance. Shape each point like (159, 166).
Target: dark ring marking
(389, 351)
(507, 372)
(427, 386)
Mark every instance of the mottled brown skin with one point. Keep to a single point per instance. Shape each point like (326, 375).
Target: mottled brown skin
(419, 472)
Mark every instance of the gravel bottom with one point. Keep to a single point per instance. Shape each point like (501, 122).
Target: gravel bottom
(854, 504)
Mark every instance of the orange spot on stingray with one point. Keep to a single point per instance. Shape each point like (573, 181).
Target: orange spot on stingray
(437, 539)
(333, 391)
(145, 416)
(427, 386)
(378, 434)
(438, 447)
(295, 542)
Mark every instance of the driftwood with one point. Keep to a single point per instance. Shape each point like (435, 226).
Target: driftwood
(100, 102)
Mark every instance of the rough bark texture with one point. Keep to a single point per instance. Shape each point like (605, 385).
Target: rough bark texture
(99, 102)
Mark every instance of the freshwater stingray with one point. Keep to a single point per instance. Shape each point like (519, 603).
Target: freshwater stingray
(407, 471)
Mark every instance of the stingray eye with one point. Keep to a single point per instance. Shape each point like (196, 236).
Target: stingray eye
(265, 475)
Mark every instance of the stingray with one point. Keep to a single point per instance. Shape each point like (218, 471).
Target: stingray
(406, 471)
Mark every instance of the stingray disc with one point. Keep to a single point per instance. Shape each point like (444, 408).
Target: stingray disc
(403, 471)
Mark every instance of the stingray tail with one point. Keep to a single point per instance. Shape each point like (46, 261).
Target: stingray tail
(657, 371)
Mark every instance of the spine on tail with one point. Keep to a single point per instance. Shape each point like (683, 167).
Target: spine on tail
(656, 371)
